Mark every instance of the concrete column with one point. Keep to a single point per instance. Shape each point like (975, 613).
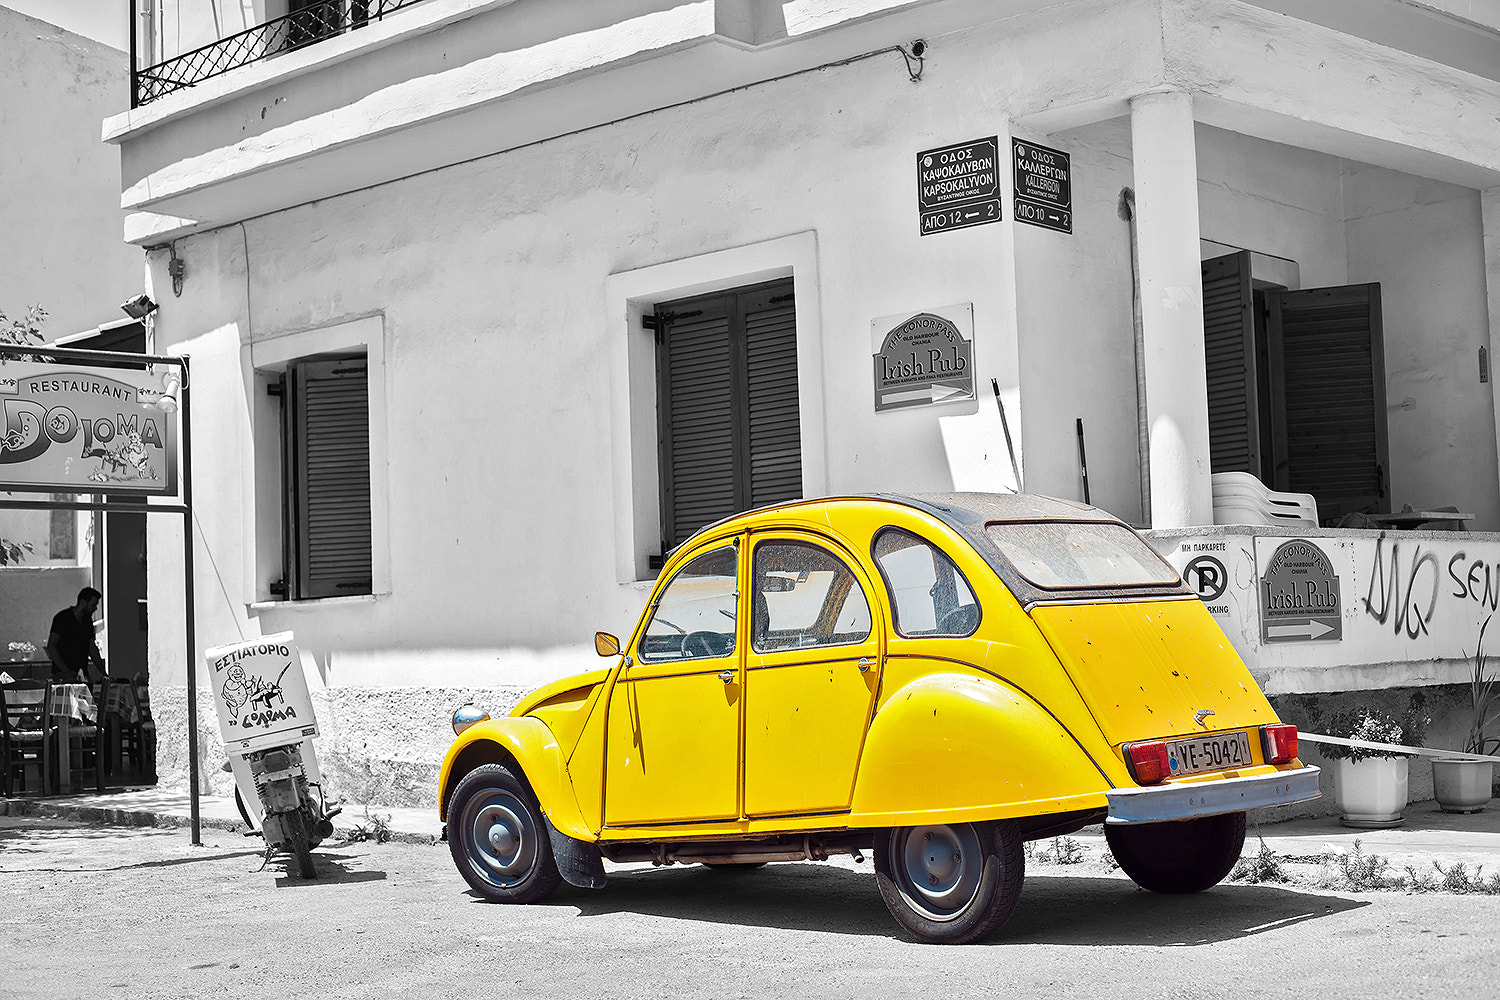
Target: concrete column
(1489, 207)
(1166, 201)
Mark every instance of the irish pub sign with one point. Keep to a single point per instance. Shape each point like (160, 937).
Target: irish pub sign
(67, 428)
(924, 358)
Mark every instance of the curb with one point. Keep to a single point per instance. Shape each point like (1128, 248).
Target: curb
(103, 816)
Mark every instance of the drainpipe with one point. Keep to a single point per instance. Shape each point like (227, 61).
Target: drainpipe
(1126, 208)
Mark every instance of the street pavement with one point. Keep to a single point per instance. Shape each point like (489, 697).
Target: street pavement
(1428, 834)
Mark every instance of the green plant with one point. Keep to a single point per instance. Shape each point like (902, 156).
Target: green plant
(1354, 870)
(24, 331)
(375, 828)
(1063, 851)
(1265, 866)
(1484, 700)
(1372, 725)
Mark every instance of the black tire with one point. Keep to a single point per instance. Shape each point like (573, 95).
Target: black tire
(498, 839)
(299, 842)
(734, 866)
(1181, 856)
(951, 884)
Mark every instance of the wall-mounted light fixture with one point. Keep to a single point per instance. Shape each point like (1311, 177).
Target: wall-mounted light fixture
(176, 269)
(170, 397)
(138, 306)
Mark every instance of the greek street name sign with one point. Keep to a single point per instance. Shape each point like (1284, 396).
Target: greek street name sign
(958, 186)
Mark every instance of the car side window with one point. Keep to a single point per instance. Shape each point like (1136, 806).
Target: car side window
(804, 596)
(694, 617)
(928, 593)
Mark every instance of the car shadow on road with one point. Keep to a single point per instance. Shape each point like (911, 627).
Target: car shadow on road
(1055, 909)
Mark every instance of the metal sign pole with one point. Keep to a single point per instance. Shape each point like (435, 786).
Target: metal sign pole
(187, 580)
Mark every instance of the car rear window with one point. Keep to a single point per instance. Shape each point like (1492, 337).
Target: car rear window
(1064, 554)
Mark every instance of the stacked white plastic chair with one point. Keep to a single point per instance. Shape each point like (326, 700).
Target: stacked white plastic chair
(1240, 498)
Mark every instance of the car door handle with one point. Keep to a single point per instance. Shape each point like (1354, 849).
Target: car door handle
(865, 663)
(726, 676)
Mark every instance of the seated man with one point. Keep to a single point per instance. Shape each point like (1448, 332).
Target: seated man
(70, 644)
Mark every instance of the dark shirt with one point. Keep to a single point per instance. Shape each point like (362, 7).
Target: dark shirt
(74, 641)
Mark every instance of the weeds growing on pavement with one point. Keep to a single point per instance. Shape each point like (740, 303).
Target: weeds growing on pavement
(1353, 870)
(1062, 851)
(1455, 879)
(1264, 866)
(375, 828)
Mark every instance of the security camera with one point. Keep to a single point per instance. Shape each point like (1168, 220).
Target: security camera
(139, 306)
(918, 48)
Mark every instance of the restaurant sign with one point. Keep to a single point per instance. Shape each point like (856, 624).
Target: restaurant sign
(926, 358)
(68, 428)
(260, 693)
(1299, 595)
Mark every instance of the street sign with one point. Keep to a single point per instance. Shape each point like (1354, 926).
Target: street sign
(958, 186)
(1299, 595)
(1044, 186)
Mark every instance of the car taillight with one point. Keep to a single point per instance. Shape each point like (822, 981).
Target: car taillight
(1148, 761)
(1279, 742)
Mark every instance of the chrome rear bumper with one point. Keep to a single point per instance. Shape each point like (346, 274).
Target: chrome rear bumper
(1190, 800)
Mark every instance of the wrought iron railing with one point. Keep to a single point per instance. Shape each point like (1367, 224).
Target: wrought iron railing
(310, 23)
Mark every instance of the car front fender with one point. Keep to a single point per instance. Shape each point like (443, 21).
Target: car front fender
(524, 744)
(953, 747)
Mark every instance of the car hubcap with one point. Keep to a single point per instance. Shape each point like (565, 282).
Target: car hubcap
(501, 837)
(939, 868)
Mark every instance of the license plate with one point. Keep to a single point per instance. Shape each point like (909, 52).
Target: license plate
(1208, 753)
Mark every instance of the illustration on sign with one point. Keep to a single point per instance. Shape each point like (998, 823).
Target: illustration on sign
(1299, 595)
(924, 358)
(958, 186)
(83, 429)
(260, 693)
(1044, 186)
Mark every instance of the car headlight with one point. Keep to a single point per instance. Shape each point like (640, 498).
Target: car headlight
(465, 716)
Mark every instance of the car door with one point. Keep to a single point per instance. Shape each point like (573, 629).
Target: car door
(673, 733)
(812, 670)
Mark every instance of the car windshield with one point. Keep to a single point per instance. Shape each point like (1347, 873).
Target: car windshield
(1064, 554)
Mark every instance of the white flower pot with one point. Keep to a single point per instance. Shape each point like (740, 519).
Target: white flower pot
(1462, 784)
(1371, 792)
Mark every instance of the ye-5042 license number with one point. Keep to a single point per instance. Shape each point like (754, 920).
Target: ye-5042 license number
(1209, 753)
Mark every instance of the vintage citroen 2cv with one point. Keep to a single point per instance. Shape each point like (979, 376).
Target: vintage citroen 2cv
(934, 679)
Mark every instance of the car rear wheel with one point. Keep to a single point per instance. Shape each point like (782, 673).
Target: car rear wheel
(498, 838)
(1181, 856)
(950, 884)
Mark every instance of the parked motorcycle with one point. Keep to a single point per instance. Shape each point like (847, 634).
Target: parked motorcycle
(267, 723)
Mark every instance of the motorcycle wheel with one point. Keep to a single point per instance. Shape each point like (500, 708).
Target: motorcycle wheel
(300, 842)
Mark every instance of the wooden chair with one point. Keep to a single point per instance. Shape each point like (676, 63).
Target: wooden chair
(26, 733)
(86, 749)
(127, 717)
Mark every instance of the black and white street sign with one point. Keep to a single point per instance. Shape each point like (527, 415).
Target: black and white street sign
(958, 186)
(1044, 186)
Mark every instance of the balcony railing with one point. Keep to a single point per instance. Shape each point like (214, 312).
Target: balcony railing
(304, 26)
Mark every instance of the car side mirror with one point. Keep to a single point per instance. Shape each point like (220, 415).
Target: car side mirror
(606, 644)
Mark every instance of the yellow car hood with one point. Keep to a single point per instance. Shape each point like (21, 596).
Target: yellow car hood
(1145, 668)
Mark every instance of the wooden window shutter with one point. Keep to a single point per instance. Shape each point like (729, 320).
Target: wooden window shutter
(696, 387)
(775, 424)
(331, 428)
(730, 428)
(1229, 355)
(1328, 396)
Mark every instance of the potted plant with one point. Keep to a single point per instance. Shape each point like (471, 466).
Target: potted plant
(1371, 785)
(1462, 784)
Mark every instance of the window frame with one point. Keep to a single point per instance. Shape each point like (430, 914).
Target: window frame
(824, 612)
(890, 591)
(265, 517)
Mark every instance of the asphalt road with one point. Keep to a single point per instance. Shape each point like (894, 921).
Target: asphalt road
(129, 912)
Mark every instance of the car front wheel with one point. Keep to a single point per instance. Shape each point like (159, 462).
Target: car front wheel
(1180, 856)
(498, 838)
(950, 884)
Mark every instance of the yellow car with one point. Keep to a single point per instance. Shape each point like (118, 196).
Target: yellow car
(932, 679)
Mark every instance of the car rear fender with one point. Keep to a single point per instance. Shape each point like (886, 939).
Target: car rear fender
(953, 747)
(527, 747)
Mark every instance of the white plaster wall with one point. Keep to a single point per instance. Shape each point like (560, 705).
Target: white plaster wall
(60, 216)
(1424, 242)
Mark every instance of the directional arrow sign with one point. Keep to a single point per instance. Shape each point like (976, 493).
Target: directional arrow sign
(1310, 629)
